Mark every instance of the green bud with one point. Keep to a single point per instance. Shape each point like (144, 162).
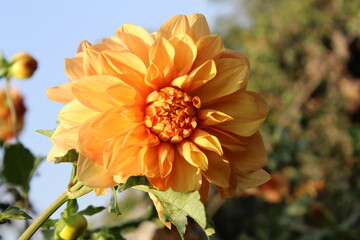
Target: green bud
(73, 228)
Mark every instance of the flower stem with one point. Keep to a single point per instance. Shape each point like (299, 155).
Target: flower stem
(44, 216)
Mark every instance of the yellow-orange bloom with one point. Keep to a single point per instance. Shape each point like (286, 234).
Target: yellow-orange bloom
(6, 121)
(171, 106)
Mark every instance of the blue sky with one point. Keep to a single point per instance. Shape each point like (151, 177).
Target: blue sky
(51, 31)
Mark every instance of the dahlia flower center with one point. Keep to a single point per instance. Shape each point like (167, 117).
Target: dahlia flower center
(171, 114)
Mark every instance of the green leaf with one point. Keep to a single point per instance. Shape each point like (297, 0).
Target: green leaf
(49, 223)
(47, 133)
(18, 165)
(133, 181)
(107, 234)
(71, 156)
(114, 207)
(91, 210)
(177, 206)
(13, 213)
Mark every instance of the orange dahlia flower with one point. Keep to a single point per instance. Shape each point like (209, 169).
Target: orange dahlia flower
(171, 106)
(6, 121)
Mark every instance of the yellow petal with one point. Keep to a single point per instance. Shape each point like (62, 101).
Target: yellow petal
(219, 170)
(121, 94)
(74, 114)
(206, 140)
(253, 179)
(201, 75)
(177, 25)
(210, 117)
(252, 158)
(191, 153)
(198, 25)
(185, 54)
(231, 75)
(74, 68)
(61, 93)
(92, 174)
(113, 122)
(136, 39)
(91, 91)
(248, 109)
(208, 47)
(162, 54)
(64, 139)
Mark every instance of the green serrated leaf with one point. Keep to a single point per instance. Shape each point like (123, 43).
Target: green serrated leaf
(47, 133)
(13, 213)
(177, 206)
(114, 207)
(133, 181)
(91, 210)
(18, 165)
(71, 156)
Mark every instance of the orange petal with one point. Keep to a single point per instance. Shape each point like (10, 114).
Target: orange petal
(149, 161)
(64, 139)
(248, 109)
(185, 54)
(74, 114)
(91, 65)
(210, 117)
(125, 62)
(253, 179)
(201, 75)
(122, 161)
(159, 209)
(136, 39)
(177, 25)
(89, 145)
(61, 93)
(83, 46)
(231, 75)
(154, 78)
(91, 91)
(252, 158)
(92, 174)
(162, 54)
(229, 140)
(121, 94)
(114, 122)
(183, 177)
(166, 154)
(208, 47)
(206, 140)
(74, 68)
(204, 190)
(219, 170)
(198, 25)
(192, 154)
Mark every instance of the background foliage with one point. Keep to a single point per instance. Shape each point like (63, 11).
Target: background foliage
(305, 60)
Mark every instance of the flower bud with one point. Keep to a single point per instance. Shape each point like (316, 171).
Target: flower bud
(22, 66)
(75, 226)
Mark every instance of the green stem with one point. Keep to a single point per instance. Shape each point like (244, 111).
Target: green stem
(44, 216)
(11, 107)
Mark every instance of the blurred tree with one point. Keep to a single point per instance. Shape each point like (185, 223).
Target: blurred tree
(305, 58)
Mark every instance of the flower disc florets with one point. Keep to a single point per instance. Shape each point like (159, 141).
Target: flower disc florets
(171, 114)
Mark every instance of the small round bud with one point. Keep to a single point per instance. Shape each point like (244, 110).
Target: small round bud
(75, 226)
(22, 66)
